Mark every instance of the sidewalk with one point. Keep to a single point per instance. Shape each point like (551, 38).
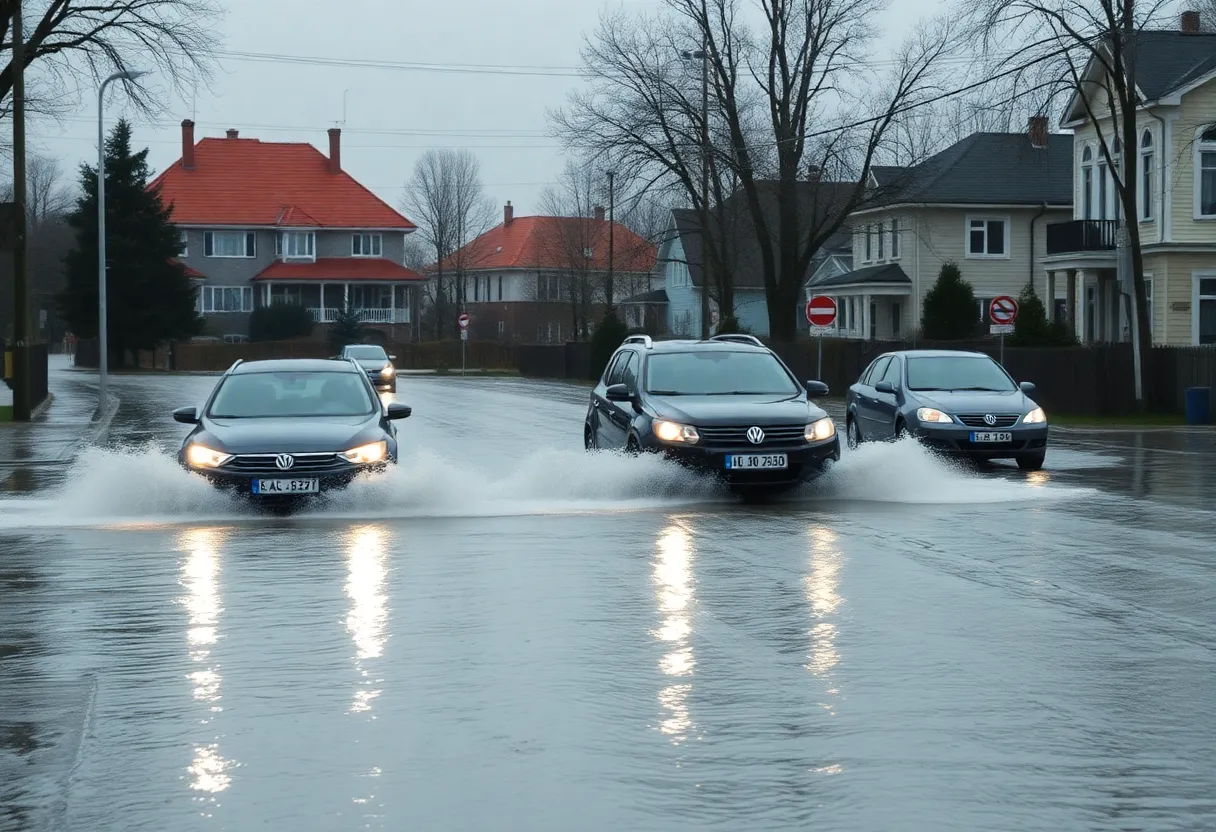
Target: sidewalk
(62, 426)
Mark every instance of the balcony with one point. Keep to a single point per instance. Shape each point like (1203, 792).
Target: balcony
(367, 315)
(1081, 235)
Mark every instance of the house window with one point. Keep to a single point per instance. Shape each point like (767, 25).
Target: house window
(476, 289)
(298, 245)
(882, 241)
(1087, 184)
(183, 248)
(500, 287)
(227, 299)
(1146, 176)
(366, 245)
(1102, 189)
(229, 244)
(1205, 312)
(1148, 293)
(894, 238)
(1205, 171)
(548, 287)
(869, 244)
(1116, 208)
(987, 237)
(896, 318)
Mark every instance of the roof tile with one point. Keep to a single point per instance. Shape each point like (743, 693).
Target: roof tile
(337, 269)
(553, 243)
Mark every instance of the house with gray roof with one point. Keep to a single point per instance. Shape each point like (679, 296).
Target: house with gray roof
(983, 203)
(1175, 195)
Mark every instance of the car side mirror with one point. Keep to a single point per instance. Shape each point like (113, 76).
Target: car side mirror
(816, 388)
(399, 411)
(885, 387)
(392, 358)
(1027, 386)
(618, 393)
(186, 415)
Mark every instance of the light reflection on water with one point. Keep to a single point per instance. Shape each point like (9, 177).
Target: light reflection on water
(367, 618)
(673, 580)
(200, 571)
(821, 587)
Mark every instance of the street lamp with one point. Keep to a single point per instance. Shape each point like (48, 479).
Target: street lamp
(702, 55)
(102, 344)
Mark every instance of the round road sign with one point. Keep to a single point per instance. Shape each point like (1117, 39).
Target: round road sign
(463, 320)
(1003, 310)
(821, 311)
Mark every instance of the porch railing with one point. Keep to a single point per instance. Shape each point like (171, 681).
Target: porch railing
(380, 315)
(1081, 235)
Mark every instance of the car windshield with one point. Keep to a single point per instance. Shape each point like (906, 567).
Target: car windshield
(717, 373)
(962, 372)
(263, 395)
(367, 353)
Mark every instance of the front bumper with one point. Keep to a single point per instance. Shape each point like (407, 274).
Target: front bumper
(240, 483)
(957, 439)
(806, 462)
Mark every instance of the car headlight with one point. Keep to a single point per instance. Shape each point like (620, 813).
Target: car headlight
(387, 372)
(1035, 417)
(366, 454)
(675, 432)
(819, 431)
(932, 414)
(200, 456)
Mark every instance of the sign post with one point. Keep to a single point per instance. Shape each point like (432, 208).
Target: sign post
(463, 320)
(820, 314)
(1003, 311)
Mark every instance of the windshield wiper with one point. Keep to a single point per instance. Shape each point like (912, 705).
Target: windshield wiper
(665, 392)
(977, 389)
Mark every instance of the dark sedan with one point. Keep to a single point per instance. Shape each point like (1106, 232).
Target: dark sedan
(377, 363)
(959, 402)
(277, 430)
(727, 406)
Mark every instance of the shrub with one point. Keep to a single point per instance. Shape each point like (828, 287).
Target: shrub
(604, 342)
(1032, 328)
(280, 322)
(730, 325)
(346, 328)
(951, 313)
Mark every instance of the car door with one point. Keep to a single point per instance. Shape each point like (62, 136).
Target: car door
(621, 413)
(886, 405)
(600, 406)
(867, 399)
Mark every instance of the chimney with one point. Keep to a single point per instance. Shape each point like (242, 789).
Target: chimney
(1038, 131)
(1190, 22)
(508, 213)
(335, 150)
(188, 144)
(599, 213)
(232, 134)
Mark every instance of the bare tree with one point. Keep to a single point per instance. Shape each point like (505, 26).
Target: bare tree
(47, 197)
(76, 43)
(572, 239)
(445, 200)
(1085, 50)
(779, 109)
(1207, 14)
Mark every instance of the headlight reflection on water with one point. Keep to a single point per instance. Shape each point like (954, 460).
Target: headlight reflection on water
(366, 620)
(673, 581)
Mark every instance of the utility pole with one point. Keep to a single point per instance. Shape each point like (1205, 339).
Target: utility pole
(1125, 262)
(22, 395)
(611, 227)
(705, 190)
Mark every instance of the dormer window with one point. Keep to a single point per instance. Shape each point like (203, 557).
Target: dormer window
(366, 245)
(297, 245)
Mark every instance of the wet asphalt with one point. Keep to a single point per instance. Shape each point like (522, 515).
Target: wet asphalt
(508, 633)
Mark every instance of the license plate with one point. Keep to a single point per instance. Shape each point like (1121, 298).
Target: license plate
(286, 486)
(753, 462)
(980, 438)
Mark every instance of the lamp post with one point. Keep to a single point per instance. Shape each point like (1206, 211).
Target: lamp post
(703, 55)
(611, 224)
(102, 335)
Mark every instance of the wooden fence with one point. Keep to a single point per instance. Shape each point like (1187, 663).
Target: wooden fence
(434, 355)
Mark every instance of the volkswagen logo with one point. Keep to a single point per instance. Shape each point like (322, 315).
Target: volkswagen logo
(989, 420)
(755, 436)
(284, 462)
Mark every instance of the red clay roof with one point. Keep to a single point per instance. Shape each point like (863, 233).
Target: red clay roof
(337, 269)
(244, 182)
(190, 271)
(552, 243)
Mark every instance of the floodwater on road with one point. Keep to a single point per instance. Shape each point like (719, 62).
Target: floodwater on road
(509, 633)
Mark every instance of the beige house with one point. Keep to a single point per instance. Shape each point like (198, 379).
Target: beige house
(983, 203)
(1176, 198)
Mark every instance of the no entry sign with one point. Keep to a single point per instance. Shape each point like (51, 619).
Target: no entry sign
(1003, 310)
(821, 311)
(463, 320)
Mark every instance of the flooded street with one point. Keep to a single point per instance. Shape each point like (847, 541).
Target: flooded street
(509, 633)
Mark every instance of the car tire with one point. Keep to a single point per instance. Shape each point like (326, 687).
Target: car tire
(1031, 462)
(633, 447)
(853, 434)
(901, 431)
(589, 442)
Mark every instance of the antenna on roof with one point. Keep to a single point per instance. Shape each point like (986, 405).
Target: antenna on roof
(342, 123)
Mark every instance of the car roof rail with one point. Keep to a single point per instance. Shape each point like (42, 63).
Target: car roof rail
(739, 338)
(644, 340)
(235, 364)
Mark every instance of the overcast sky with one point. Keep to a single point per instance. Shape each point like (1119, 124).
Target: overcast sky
(392, 115)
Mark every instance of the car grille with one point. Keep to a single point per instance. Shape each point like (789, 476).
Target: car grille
(973, 420)
(304, 464)
(737, 436)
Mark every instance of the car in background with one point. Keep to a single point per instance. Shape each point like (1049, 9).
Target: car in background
(727, 406)
(375, 362)
(280, 430)
(958, 402)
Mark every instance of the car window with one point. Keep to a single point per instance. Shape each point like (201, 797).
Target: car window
(717, 373)
(366, 353)
(287, 394)
(629, 375)
(613, 376)
(958, 372)
(894, 373)
(877, 369)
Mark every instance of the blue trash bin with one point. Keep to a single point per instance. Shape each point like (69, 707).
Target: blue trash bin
(1199, 405)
